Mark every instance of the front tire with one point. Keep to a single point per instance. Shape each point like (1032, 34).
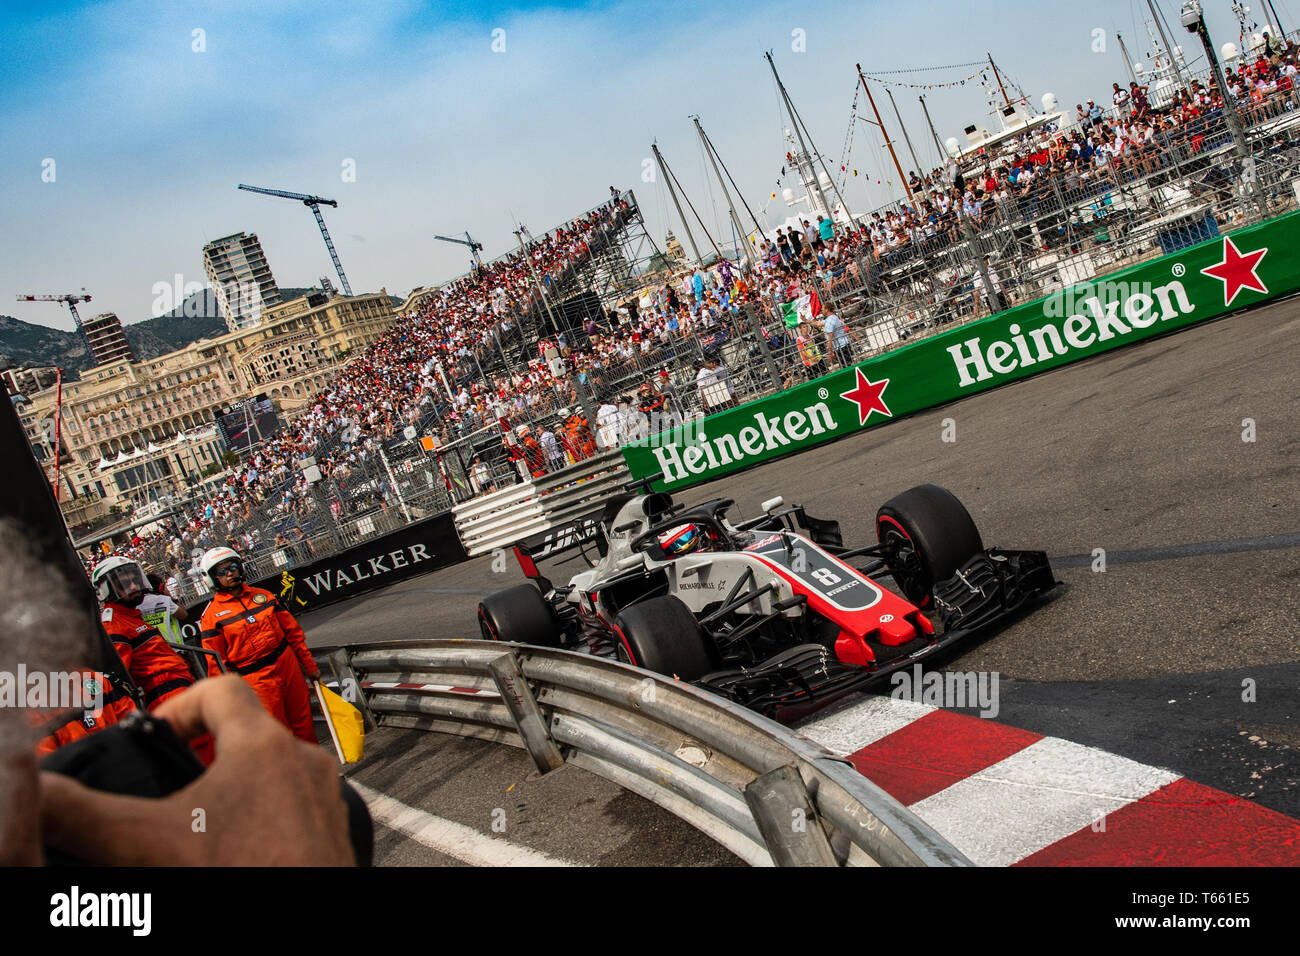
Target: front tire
(519, 615)
(934, 535)
(662, 635)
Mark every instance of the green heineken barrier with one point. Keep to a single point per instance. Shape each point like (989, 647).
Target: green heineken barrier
(1250, 266)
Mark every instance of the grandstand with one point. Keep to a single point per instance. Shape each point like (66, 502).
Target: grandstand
(447, 368)
(564, 323)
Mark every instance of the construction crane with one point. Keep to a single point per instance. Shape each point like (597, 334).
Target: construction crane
(474, 247)
(313, 203)
(70, 299)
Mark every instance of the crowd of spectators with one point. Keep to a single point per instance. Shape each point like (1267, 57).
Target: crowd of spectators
(431, 368)
(427, 370)
(426, 366)
(1101, 149)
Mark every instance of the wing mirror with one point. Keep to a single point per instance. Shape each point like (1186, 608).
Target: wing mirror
(771, 504)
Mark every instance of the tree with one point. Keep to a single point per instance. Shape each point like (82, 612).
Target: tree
(660, 262)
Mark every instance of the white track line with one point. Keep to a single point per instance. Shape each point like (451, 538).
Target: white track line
(453, 839)
(1035, 797)
(849, 730)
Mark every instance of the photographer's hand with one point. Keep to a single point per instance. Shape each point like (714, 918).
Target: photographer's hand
(268, 799)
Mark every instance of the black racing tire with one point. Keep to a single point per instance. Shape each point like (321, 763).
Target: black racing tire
(519, 615)
(662, 635)
(938, 536)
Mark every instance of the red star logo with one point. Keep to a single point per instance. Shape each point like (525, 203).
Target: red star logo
(1237, 271)
(869, 397)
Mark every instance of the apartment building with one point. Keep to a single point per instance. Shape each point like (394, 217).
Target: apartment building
(241, 279)
(132, 431)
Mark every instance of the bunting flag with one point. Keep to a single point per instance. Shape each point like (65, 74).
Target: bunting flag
(932, 69)
(930, 86)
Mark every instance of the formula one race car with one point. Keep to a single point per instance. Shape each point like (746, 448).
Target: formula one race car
(766, 611)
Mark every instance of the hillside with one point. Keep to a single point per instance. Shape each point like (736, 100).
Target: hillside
(198, 317)
(25, 344)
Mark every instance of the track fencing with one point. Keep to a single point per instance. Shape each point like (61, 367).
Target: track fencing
(376, 491)
(1076, 225)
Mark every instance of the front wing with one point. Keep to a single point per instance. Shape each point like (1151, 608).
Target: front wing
(988, 590)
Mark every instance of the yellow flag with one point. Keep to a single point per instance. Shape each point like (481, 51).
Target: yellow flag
(346, 724)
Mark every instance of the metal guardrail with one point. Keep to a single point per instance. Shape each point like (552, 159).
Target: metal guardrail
(754, 786)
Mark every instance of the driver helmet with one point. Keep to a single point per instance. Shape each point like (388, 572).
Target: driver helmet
(218, 558)
(683, 539)
(120, 580)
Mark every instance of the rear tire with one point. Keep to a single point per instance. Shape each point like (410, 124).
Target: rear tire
(519, 615)
(937, 536)
(662, 635)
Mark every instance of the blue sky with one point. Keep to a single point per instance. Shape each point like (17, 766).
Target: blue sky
(150, 137)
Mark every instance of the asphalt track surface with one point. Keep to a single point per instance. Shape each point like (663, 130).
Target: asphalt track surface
(1139, 453)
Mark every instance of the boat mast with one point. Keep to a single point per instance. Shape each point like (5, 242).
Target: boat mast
(1127, 62)
(1272, 27)
(735, 219)
(812, 185)
(663, 171)
(721, 162)
(907, 139)
(881, 125)
(1278, 20)
(943, 153)
(798, 120)
(998, 76)
(1164, 41)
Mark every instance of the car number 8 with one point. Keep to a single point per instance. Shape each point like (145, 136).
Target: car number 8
(826, 576)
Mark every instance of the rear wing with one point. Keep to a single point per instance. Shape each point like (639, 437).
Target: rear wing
(590, 527)
(561, 539)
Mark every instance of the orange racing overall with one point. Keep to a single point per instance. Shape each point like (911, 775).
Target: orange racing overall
(259, 640)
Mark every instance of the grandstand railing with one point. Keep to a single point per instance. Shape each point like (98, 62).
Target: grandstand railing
(1064, 230)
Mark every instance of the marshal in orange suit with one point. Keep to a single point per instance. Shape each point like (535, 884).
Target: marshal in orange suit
(259, 640)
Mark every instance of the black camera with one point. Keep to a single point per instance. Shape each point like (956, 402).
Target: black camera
(141, 756)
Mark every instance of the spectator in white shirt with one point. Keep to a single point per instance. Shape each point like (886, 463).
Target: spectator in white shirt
(715, 386)
(551, 447)
(480, 476)
(837, 339)
(607, 426)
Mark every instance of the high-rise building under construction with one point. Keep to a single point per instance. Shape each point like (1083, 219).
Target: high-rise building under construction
(106, 339)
